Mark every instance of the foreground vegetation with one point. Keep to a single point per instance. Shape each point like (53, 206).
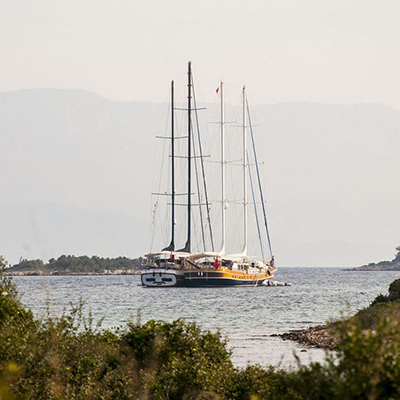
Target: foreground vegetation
(68, 265)
(69, 358)
(383, 307)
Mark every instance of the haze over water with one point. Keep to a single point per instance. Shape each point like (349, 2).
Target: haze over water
(75, 165)
(247, 316)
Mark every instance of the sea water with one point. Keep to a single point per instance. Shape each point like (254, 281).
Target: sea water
(246, 316)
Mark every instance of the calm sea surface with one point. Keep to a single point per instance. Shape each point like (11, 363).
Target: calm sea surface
(247, 316)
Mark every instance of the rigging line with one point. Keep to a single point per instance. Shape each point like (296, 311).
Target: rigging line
(202, 168)
(255, 208)
(259, 180)
(154, 220)
(154, 180)
(154, 211)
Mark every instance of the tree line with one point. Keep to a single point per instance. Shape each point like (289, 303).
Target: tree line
(78, 264)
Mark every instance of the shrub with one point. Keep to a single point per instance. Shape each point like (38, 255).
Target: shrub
(380, 299)
(394, 290)
(7, 286)
(394, 293)
(178, 358)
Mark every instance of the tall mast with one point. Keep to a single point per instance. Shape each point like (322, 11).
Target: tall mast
(244, 251)
(171, 246)
(189, 204)
(189, 154)
(223, 200)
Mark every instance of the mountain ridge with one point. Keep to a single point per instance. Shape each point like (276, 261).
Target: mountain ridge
(329, 171)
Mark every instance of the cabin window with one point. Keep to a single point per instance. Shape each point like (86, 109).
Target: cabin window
(167, 279)
(150, 279)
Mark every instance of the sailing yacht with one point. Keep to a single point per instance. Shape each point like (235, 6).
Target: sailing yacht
(170, 267)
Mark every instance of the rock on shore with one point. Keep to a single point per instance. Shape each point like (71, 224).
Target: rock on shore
(320, 336)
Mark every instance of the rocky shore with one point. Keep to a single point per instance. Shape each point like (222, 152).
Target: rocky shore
(381, 266)
(320, 336)
(393, 265)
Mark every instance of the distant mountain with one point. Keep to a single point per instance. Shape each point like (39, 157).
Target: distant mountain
(76, 177)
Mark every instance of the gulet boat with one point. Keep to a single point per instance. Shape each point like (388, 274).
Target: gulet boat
(181, 267)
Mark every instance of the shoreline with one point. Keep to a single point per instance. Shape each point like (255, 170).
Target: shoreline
(41, 273)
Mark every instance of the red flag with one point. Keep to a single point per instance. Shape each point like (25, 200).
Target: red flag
(217, 90)
(171, 257)
(216, 263)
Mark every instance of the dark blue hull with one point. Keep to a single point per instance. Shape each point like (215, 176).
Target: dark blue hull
(217, 282)
(200, 278)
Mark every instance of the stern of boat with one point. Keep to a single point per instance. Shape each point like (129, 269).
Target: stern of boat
(159, 277)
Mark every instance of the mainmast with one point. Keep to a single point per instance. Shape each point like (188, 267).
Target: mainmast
(187, 247)
(223, 200)
(244, 250)
(171, 246)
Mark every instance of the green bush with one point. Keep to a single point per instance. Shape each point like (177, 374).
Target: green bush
(394, 290)
(380, 299)
(394, 293)
(178, 358)
(7, 286)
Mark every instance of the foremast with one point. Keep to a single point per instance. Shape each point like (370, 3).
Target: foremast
(187, 248)
(171, 246)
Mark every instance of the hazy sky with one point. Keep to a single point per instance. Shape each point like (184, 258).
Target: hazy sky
(338, 51)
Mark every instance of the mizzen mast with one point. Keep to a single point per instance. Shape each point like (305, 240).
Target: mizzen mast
(223, 167)
(244, 250)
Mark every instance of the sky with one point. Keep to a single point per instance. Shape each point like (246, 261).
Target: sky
(330, 51)
(285, 51)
